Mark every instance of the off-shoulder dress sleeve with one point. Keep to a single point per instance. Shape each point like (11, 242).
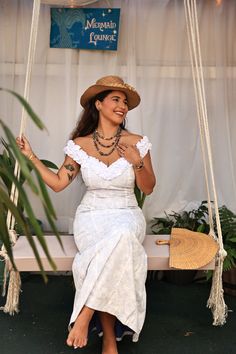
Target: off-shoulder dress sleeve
(144, 146)
(75, 152)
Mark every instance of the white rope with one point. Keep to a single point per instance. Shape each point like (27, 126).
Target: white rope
(206, 127)
(201, 128)
(11, 305)
(216, 299)
(30, 60)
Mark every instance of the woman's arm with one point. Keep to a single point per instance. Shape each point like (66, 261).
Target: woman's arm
(144, 175)
(56, 181)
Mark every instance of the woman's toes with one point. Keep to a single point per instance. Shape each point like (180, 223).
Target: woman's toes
(85, 342)
(69, 341)
(82, 343)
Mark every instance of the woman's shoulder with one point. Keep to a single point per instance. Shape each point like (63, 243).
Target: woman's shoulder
(82, 141)
(131, 138)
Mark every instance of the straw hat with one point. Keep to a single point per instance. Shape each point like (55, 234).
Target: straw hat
(114, 83)
(190, 249)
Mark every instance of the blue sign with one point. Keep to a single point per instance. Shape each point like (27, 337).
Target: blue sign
(84, 28)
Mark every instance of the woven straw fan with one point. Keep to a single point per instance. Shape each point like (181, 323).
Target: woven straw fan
(190, 249)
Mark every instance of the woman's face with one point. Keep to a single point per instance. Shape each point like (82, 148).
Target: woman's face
(114, 107)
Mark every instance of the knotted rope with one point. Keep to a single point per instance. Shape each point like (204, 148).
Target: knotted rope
(216, 299)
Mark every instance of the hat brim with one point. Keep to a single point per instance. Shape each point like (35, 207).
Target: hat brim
(132, 96)
(190, 249)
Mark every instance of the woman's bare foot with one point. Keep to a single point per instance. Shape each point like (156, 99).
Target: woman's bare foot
(109, 346)
(78, 336)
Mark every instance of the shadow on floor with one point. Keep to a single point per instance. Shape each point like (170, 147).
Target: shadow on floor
(177, 321)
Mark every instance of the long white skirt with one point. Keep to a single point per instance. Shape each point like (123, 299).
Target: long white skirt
(111, 266)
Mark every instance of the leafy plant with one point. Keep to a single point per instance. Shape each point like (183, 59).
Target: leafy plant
(194, 220)
(10, 160)
(228, 226)
(32, 178)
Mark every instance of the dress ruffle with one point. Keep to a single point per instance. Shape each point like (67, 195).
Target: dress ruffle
(100, 168)
(144, 146)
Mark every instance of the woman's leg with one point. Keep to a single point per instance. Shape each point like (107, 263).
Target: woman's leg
(109, 339)
(78, 335)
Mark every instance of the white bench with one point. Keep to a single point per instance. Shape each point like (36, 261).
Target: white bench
(158, 256)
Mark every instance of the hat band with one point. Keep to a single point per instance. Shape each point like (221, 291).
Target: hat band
(124, 86)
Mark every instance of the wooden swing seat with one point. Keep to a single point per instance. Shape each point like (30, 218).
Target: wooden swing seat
(158, 256)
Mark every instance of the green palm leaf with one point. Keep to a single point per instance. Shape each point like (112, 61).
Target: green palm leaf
(27, 107)
(33, 220)
(33, 181)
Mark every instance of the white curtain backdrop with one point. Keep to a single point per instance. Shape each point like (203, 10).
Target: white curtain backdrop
(153, 56)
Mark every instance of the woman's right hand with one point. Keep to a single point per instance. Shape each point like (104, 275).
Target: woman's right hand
(24, 146)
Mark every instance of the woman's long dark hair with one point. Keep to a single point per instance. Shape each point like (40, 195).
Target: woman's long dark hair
(88, 122)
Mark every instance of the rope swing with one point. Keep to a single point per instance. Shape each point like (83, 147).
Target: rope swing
(216, 300)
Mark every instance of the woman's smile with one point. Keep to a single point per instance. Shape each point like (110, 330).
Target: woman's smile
(114, 103)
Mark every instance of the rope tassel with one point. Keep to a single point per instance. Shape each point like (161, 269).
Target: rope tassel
(216, 299)
(14, 282)
(12, 303)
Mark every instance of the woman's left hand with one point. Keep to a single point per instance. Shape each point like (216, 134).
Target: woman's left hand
(129, 152)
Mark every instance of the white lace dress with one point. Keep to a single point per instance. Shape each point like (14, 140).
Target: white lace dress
(110, 267)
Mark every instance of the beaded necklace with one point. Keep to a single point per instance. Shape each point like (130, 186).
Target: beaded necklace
(97, 142)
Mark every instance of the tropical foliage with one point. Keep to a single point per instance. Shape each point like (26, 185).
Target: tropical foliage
(30, 177)
(194, 220)
(7, 158)
(228, 226)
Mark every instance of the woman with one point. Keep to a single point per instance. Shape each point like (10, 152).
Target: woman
(110, 267)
